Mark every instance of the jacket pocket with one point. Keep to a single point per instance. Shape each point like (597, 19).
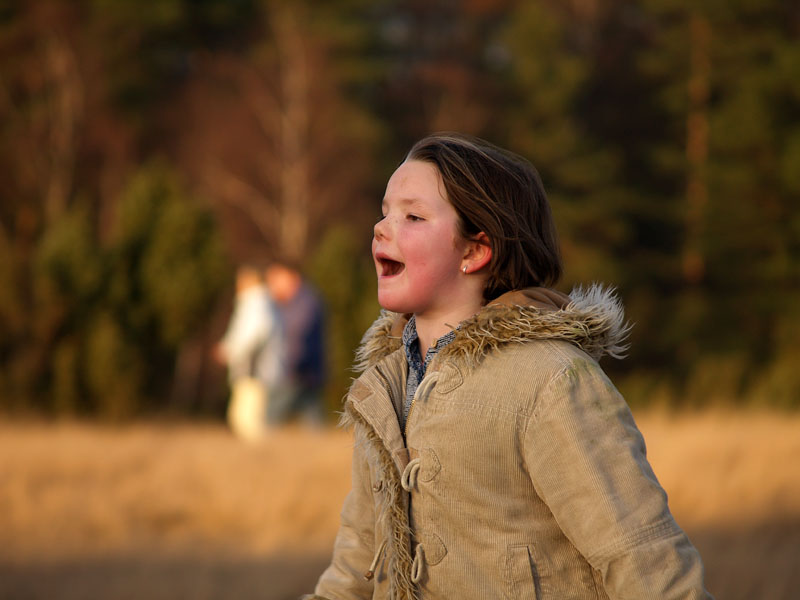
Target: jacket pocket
(523, 578)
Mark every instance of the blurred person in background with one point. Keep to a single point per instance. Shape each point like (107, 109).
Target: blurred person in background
(253, 349)
(302, 316)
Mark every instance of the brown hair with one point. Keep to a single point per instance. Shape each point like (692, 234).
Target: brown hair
(499, 193)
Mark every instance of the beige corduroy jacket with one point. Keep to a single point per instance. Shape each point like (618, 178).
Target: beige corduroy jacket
(522, 473)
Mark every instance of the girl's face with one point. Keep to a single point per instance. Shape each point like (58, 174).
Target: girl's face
(417, 248)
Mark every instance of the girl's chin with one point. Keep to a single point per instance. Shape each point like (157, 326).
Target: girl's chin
(391, 306)
(387, 302)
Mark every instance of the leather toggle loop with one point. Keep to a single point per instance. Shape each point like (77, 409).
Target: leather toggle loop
(374, 565)
(418, 566)
(410, 473)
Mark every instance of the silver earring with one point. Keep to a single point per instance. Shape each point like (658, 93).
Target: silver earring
(465, 269)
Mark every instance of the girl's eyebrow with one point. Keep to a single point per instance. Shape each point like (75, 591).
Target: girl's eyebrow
(402, 202)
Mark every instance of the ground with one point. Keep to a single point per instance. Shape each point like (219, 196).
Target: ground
(187, 511)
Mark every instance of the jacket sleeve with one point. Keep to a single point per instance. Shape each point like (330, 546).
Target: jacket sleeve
(587, 461)
(354, 546)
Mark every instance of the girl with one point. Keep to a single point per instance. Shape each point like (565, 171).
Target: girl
(493, 457)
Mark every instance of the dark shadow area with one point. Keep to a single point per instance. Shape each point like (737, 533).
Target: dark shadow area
(163, 578)
(752, 561)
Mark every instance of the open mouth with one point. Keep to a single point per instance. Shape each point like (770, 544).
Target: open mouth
(389, 267)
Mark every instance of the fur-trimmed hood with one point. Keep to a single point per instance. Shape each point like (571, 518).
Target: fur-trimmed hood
(591, 318)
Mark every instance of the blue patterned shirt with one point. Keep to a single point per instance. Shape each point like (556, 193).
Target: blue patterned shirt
(416, 365)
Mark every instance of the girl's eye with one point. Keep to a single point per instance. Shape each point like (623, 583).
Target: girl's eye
(414, 218)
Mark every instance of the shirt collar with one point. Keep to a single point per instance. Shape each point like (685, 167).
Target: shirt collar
(410, 336)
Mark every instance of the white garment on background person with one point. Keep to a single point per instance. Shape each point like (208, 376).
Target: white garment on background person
(253, 342)
(254, 349)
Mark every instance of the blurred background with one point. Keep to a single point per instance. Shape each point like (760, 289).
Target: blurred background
(147, 149)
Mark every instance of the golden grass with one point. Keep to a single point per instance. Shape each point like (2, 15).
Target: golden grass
(722, 467)
(167, 511)
(74, 488)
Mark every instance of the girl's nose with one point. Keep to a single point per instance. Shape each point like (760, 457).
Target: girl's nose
(380, 229)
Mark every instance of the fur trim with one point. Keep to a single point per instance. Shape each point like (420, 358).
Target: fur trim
(594, 320)
(377, 342)
(603, 316)
(392, 521)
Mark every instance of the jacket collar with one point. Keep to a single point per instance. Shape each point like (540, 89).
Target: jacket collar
(371, 398)
(591, 318)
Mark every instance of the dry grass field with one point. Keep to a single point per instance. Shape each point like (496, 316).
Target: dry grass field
(187, 511)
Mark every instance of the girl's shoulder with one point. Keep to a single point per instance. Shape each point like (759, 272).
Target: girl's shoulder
(544, 358)
(589, 321)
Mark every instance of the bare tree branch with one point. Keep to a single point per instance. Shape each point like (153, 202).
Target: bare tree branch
(239, 193)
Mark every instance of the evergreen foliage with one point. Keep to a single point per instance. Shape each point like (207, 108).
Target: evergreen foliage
(106, 320)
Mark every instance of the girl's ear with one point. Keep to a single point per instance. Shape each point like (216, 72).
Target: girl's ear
(478, 253)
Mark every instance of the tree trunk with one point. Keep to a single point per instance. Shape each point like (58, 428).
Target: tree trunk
(294, 147)
(66, 100)
(697, 147)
